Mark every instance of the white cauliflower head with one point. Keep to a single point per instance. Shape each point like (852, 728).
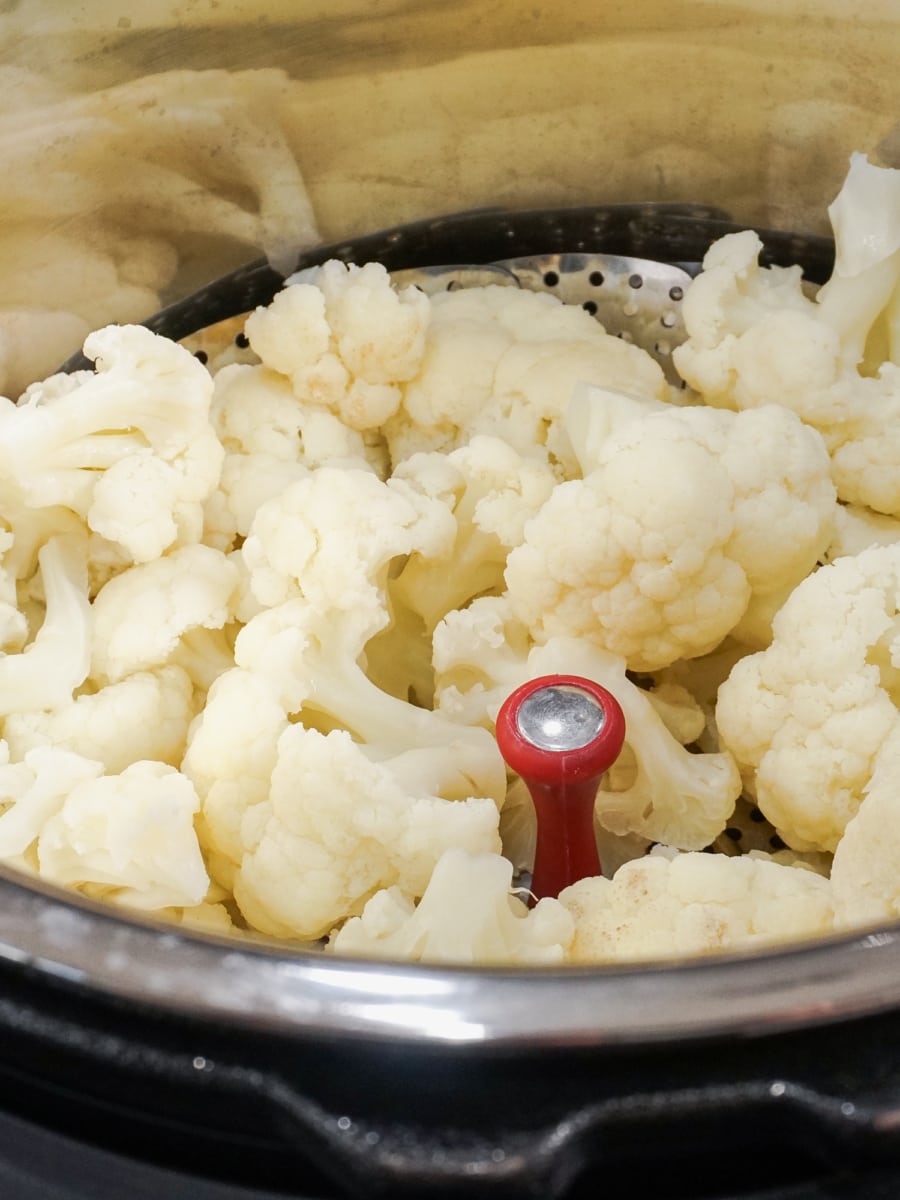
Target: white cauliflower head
(128, 838)
(335, 828)
(661, 550)
(56, 661)
(129, 447)
(33, 791)
(674, 905)
(141, 616)
(271, 440)
(144, 716)
(806, 717)
(864, 877)
(504, 362)
(468, 914)
(331, 537)
(755, 338)
(491, 491)
(346, 340)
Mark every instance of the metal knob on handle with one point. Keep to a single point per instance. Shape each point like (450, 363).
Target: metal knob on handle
(561, 733)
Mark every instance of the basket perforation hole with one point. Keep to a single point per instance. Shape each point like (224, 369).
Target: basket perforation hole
(635, 281)
(595, 279)
(590, 307)
(676, 293)
(551, 279)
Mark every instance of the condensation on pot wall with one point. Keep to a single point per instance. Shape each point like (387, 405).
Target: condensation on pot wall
(148, 150)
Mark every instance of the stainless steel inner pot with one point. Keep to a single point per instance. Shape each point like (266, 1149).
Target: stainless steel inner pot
(397, 112)
(756, 1041)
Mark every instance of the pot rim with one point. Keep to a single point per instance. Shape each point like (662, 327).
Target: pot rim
(265, 985)
(69, 939)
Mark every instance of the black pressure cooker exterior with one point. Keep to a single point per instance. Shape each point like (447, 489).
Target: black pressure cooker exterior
(370, 1083)
(109, 1098)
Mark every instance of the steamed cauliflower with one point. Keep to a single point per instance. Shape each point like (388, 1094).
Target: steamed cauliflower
(345, 340)
(259, 611)
(755, 337)
(492, 491)
(129, 448)
(336, 827)
(666, 545)
(806, 717)
(683, 904)
(141, 617)
(503, 363)
(864, 878)
(305, 826)
(56, 661)
(144, 716)
(467, 914)
(129, 836)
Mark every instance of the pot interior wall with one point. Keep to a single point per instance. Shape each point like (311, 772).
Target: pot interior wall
(394, 111)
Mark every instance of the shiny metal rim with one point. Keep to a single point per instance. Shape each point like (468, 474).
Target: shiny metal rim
(71, 940)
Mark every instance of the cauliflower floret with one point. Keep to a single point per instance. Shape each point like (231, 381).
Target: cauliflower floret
(128, 838)
(31, 792)
(246, 482)
(664, 548)
(864, 877)
(806, 718)
(304, 657)
(491, 491)
(332, 540)
(145, 716)
(128, 447)
(657, 789)
(731, 296)
(335, 827)
(468, 914)
(858, 528)
(209, 917)
(46, 673)
(312, 662)
(487, 491)
(271, 440)
(667, 905)
(754, 337)
(345, 341)
(13, 622)
(141, 616)
(504, 362)
(231, 753)
(331, 537)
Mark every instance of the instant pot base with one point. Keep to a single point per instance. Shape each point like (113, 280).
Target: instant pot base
(792, 1116)
(781, 1084)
